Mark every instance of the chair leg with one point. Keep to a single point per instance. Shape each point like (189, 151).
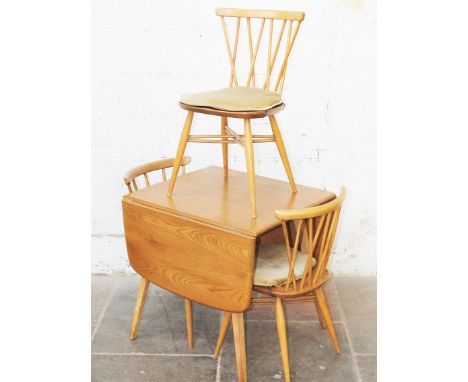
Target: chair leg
(328, 318)
(282, 151)
(281, 326)
(180, 151)
(249, 158)
(239, 342)
(224, 146)
(222, 333)
(323, 325)
(139, 306)
(188, 315)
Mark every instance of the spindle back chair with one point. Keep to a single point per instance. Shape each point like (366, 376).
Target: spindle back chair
(130, 180)
(249, 101)
(316, 229)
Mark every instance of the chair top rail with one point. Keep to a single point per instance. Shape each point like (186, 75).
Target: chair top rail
(311, 212)
(260, 13)
(153, 166)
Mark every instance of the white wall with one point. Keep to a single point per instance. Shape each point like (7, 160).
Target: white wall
(146, 53)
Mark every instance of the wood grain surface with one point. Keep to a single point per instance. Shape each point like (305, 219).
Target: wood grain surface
(207, 196)
(202, 263)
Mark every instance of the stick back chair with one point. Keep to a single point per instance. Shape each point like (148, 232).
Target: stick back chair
(130, 180)
(289, 275)
(253, 100)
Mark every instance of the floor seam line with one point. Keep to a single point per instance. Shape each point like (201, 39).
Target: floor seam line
(101, 316)
(218, 368)
(137, 354)
(296, 321)
(348, 337)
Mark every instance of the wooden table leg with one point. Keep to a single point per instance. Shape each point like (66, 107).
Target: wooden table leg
(239, 342)
(139, 306)
(188, 316)
(222, 333)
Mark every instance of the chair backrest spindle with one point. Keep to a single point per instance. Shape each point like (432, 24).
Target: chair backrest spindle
(273, 59)
(289, 45)
(146, 179)
(249, 30)
(252, 64)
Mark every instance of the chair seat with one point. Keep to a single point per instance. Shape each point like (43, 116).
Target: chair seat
(234, 99)
(273, 266)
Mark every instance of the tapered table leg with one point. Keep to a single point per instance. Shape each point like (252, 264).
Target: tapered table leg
(239, 342)
(139, 306)
(188, 316)
(222, 333)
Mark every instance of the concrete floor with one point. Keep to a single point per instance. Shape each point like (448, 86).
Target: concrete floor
(160, 353)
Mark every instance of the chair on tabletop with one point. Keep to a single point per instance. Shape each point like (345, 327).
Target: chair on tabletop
(255, 99)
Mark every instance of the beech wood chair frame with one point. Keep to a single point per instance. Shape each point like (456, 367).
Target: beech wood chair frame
(229, 136)
(130, 180)
(316, 231)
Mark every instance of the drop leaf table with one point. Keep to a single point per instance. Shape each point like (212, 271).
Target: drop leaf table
(200, 243)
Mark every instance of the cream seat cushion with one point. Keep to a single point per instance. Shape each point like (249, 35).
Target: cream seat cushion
(273, 265)
(234, 99)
